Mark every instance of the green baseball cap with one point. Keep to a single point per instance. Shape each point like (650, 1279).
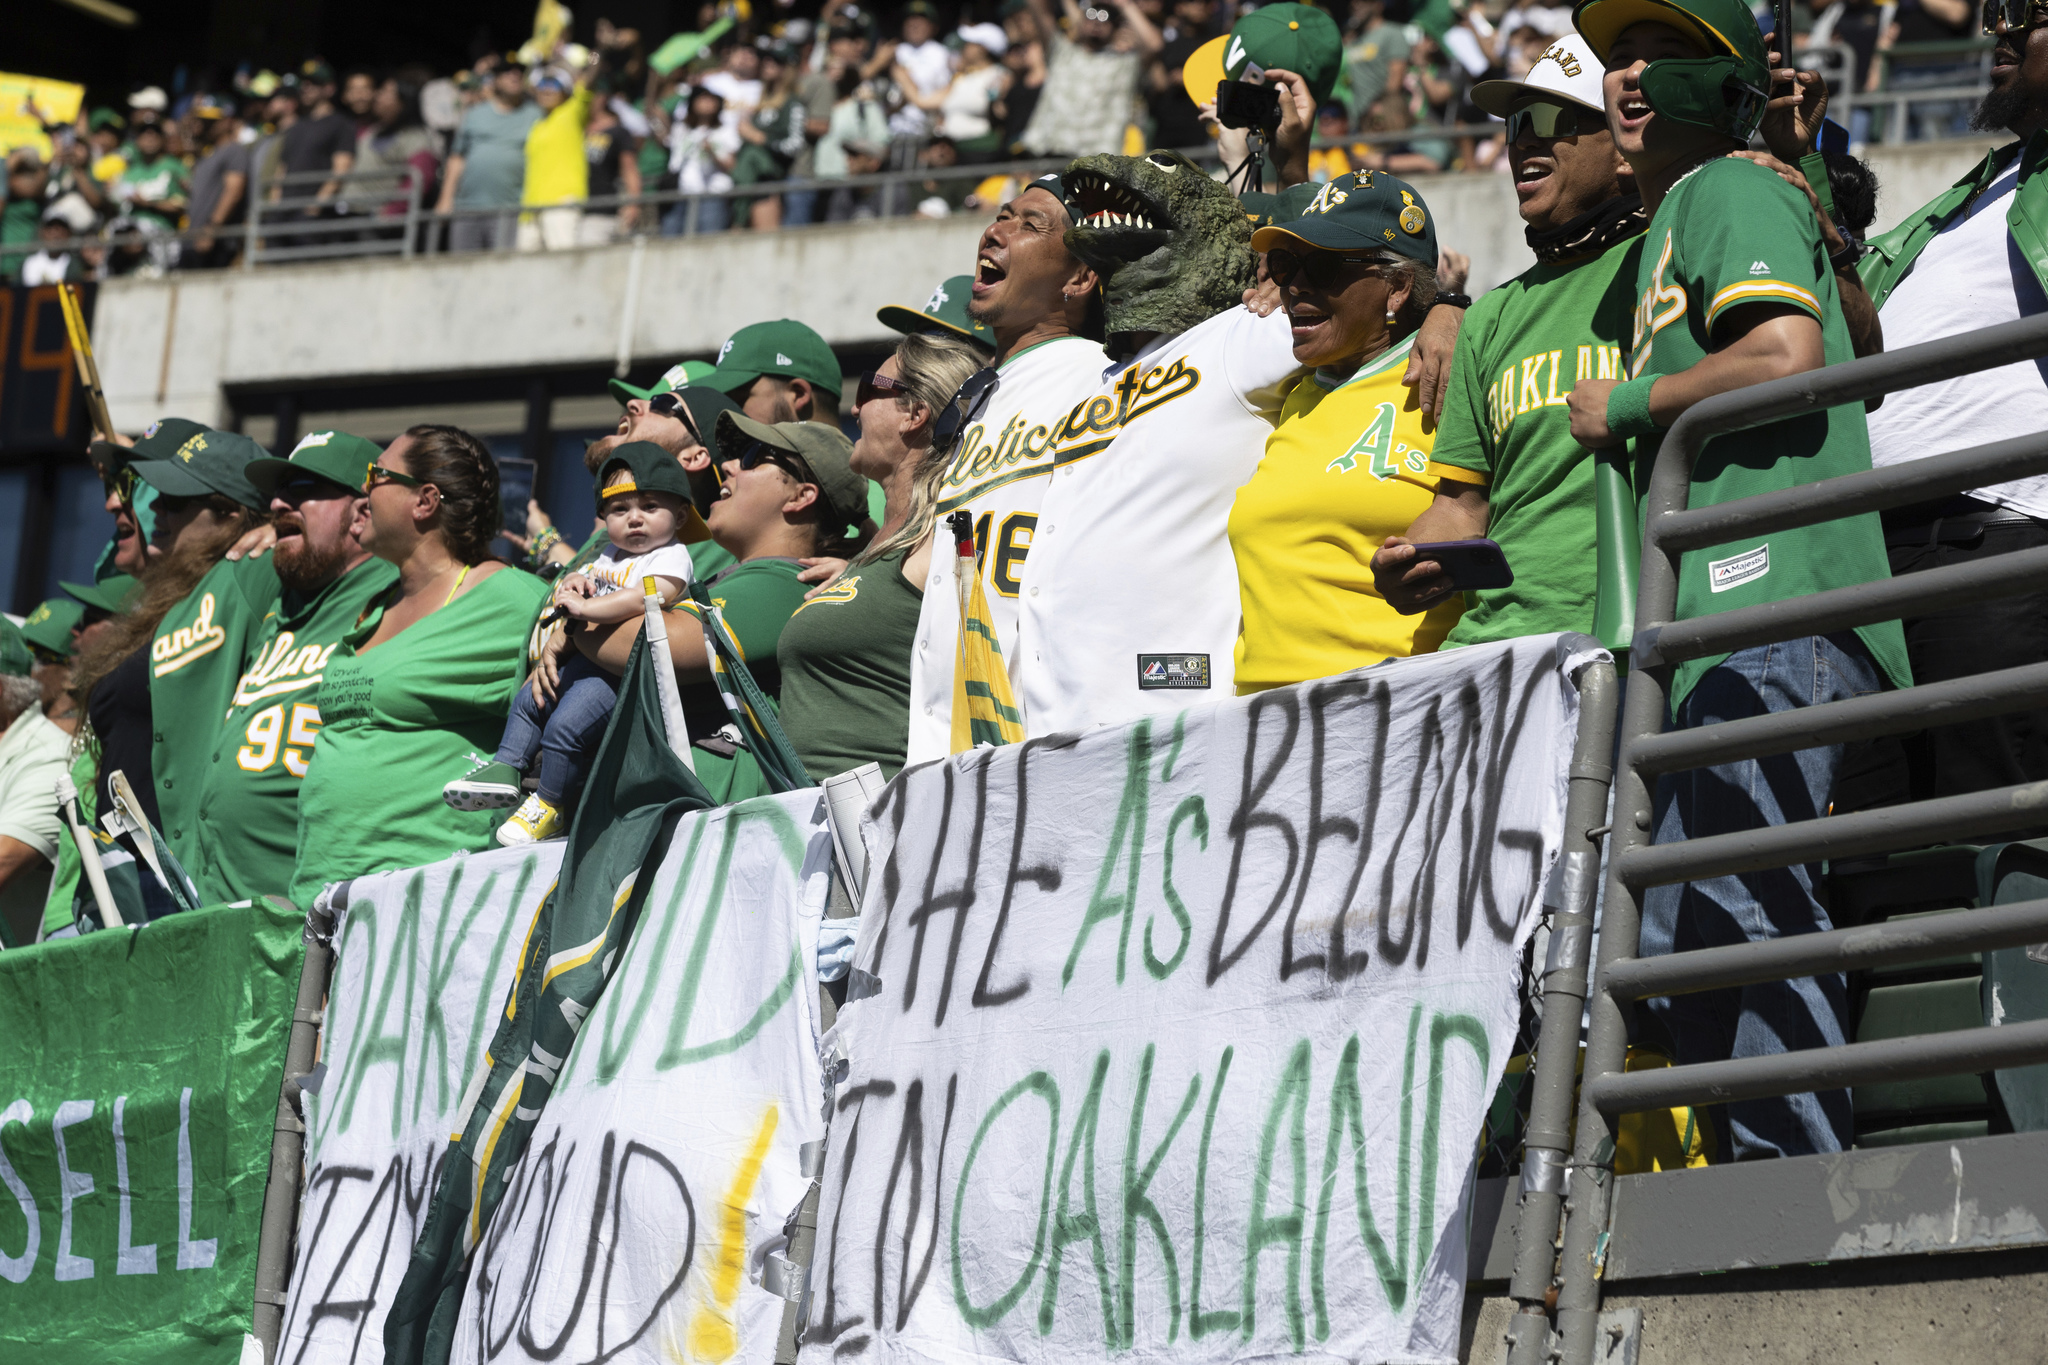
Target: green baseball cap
(159, 440)
(1359, 211)
(825, 450)
(1722, 27)
(643, 464)
(335, 456)
(673, 378)
(1265, 209)
(785, 348)
(1297, 38)
(114, 595)
(50, 625)
(945, 311)
(15, 658)
(705, 404)
(207, 462)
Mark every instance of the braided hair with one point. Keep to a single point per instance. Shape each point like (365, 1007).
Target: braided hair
(461, 467)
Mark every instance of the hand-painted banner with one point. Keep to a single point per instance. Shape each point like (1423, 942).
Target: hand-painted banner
(136, 1109)
(1173, 1040)
(424, 959)
(654, 1193)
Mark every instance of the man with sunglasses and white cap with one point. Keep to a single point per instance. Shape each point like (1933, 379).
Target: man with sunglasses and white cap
(1975, 257)
(1036, 301)
(247, 817)
(1505, 462)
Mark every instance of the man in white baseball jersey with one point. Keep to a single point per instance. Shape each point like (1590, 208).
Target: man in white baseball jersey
(1129, 604)
(1036, 298)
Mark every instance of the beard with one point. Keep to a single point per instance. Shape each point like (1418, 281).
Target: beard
(2001, 109)
(305, 567)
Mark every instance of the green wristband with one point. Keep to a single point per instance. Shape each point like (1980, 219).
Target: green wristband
(1628, 407)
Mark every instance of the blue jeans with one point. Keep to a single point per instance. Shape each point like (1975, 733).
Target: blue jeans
(1777, 1016)
(566, 740)
(713, 215)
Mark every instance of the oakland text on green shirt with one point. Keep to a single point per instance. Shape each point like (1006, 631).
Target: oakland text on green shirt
(247, 821)
(200, 649)
(1521, 349)
(1732, 233)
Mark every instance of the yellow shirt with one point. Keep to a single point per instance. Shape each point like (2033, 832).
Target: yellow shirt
(1345, 469)
(557, 169)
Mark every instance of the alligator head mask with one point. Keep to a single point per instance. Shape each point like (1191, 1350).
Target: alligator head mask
(1173, 247)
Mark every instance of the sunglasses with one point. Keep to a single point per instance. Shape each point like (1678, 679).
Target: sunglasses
(379, 474)
(123, 481)
(2017, 16)
(670, 405)
(874, 384)
(296, 491)
(965, 407)
(1320, 269)
(1553, 120)
(760, 453)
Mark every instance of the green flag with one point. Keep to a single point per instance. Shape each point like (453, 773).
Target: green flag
(637, 791)
(135, 1133)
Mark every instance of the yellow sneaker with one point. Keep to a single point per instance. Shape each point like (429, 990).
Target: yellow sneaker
(536, 821)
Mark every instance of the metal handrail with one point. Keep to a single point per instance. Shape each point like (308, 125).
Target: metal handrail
(1670, 529)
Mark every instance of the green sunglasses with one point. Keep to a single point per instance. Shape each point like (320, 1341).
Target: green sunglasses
(1554, 120)
(379, 474)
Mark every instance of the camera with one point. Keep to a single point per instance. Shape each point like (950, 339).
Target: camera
(1240, 104)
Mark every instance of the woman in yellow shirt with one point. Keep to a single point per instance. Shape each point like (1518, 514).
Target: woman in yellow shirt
(1348, 464)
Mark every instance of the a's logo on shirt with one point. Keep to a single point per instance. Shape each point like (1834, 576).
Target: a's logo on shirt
(1733, 572)
(1661, 305)
(1378, 451)
(1759, 268)
(843, 589)
(282, 666)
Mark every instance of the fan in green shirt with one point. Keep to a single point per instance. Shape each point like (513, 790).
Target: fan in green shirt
(416, 693)
(247, 814)
(1506, 463)
(201, 644)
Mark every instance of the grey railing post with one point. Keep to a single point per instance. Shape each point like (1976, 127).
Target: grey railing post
(252, 226)
(412, 214)
(288, 1142)
(1548, 1137)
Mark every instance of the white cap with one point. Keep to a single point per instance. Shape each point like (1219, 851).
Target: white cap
(1567, 68)
(989, 37)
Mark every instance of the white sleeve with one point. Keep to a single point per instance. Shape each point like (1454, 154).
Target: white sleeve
(670, 561)
(1258, 359)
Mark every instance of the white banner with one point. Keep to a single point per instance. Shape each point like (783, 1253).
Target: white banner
(423, 961)
(642, 1218)
(1173, 1041)
(644, 1215)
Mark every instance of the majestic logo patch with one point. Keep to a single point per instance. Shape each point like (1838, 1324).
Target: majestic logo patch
(1759, 268)
(1156, 671)
(1733, 572)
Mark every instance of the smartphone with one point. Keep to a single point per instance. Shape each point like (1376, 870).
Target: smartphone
(1471, 564)
(515, 486)
(1241, 104)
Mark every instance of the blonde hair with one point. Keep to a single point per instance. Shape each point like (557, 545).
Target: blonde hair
(933, 367)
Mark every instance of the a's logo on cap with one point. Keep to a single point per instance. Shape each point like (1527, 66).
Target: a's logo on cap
(931, 305)
(312, 442)
(725, 351)
(1327, 198)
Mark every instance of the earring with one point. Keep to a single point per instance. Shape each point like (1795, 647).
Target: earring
(1391, 315)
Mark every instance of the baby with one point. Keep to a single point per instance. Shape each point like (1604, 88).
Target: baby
(644, 497)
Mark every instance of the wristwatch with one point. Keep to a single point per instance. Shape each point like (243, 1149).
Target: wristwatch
(1852, 251)
(1453, 300)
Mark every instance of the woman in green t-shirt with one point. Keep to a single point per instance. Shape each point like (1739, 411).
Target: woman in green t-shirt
(417, 694)
(846, 653)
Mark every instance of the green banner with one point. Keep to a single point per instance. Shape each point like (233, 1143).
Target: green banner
(135, 1113)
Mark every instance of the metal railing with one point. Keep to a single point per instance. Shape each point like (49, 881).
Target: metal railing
(1634, 864)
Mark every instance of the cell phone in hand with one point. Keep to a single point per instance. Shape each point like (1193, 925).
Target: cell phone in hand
(1471, 565)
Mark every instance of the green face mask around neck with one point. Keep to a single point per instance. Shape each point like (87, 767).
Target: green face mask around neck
(1706, 92)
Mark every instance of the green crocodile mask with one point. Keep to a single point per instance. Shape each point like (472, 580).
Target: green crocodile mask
(1173, 247)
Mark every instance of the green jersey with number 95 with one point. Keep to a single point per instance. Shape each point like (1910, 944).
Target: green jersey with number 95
(248, 811)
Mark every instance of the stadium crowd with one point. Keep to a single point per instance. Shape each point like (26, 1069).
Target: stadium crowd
(563, 144)
(297, 668)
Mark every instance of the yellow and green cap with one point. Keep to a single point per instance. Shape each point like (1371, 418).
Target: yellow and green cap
(1360, 211)
(1725, 28)
(335, 456)
(50, 625)
(677, 376)
(1297, 38)
(784, 347)
(945, 311)
(207, 461)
